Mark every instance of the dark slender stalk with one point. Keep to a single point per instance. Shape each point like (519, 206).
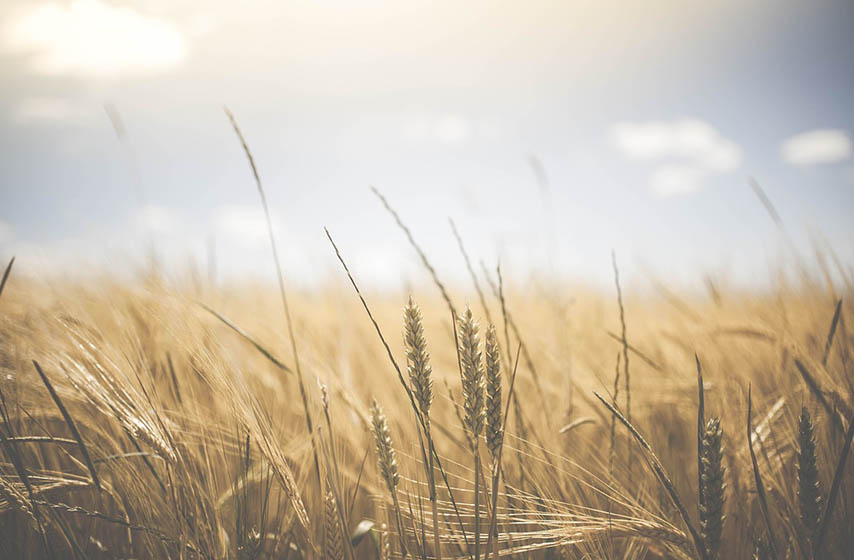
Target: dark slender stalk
(833, 324)
(279, 276)
(6, 275)
(397, 369)
(701, 422)
(417, 248)
(760, 488)
(71, 425)
(834, 489)
(662, 477)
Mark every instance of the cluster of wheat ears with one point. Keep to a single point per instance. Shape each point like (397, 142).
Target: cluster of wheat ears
(161, 419)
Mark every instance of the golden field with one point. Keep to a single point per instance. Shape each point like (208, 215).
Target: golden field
(177, 426)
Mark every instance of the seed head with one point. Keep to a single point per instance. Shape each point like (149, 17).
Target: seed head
(809, 491)
(385, 448)
(712, 490)
(334, 538)
(472, 375)
(417, 357)
(492, 358)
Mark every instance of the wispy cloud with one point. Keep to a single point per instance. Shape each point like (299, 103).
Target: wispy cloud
(91, 37)
(49, 109)
(817, 146)
(449, 129)
(243, 224)
(685, 151)
(7, 234)
(674, 179)
(156, 219)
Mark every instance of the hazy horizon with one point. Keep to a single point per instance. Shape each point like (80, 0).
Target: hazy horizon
(551, 134)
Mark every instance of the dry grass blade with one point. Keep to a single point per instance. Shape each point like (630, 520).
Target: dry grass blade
(245, 336)
(701, 422)
(760, 488)
(623, 338)
(6, 275)
(400, 377)
(661, 475)
(496, 467)
(833, 324)
(71, 425)
(469, 267)
(639, 353)
(282, 293)
(834, 489)
(417, 248)
(766, 202)
(577, 423)
(819, 393)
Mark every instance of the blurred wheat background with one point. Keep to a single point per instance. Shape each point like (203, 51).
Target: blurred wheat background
(163, 419)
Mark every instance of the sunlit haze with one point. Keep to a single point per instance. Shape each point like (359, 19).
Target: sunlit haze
(550, 132)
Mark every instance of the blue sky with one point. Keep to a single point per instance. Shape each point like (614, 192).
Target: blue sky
(647, 118)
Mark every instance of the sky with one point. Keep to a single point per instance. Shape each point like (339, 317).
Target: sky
(551, 133)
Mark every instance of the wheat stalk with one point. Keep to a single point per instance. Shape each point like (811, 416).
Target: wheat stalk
(421, 383)
(471, 362)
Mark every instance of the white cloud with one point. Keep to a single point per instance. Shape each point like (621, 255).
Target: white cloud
(155, 219)
(92, 37)
(48, 109)
(7, 234)
(817, 146)
(452, 130)
(244, 224)
(669, 180)
(686, 151)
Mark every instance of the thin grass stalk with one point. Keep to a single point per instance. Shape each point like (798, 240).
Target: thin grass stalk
(282, 293)
(248, 338)
(473, 402)
(819, 394)
(625, 342)
(6, 275)
(834, 489)
(71, 425)
(496, 467)
(701, 422)
(417, 248)
(336, 475)
(760, 488)
(420, 378)
(470, 269)
(399, 377)
(662, 477)
(833, 324)
(612, 448)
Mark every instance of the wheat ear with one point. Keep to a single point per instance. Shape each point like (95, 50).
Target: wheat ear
(712, 489)
(387, 461)
(421, 382)
(334, 539)
(471, 361)
(809, 492)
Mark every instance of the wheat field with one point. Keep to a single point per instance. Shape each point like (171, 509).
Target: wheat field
(158, 418)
